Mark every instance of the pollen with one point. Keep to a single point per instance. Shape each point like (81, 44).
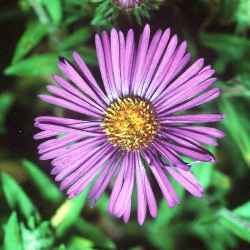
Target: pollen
(130, 123)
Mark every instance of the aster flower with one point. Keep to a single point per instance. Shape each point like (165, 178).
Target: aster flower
(131, 126)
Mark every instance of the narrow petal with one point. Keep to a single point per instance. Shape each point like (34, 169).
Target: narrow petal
(203, 118)
(87, 73)
(155, 61)
(195, 102)
(68, 105)
(170, 155)
(171, 72)
(151, 201)
(76, 92)
(183, 177)
(122, 201)
(163, 67)
(193, 135)
(122, 52)
(190, 72)
(103, 67)
(104, 179)
(188, 90)
(129, 61)
(108, 62)
(118, 184)
(140, 58)
(115, 58)
(59, 92)
(163, 182)
(141, 192)
(148, 60)
(95, 161)
(71, 73)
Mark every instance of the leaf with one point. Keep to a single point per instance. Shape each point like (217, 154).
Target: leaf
(165, 215)
(36, 66)
(237, 125)
(95, 234)
(102, 204)
(228, 8)
(235, 224)
(68, 213)
(242, 15)
(243, 210)
(203, 173)
(236, 47)
(12, 238)
(222, 239)
(61, 247)
(221, 181)
(54, 9)
(6, 99)
(76, 38)
(45, 186)
(17, 198)
(29, 39)
(40, 238)
(79, 243)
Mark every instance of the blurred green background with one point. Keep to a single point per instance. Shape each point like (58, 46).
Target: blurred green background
(34, 215)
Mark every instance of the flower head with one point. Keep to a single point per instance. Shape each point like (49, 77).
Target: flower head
(131, 126)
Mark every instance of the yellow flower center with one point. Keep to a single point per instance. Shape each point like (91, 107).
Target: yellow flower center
(130, 123)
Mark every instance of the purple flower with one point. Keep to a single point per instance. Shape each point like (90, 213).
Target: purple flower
(131, 127)
(127, 4)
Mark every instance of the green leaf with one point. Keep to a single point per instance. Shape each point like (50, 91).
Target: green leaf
(54, 9)
(12, 238)
(68, 213)
(61, 247)
(235, 224)
(165, 215)
(237, 125)
(78, 37)
(17, 198)
(221, 181)
(36, 66)
(41, 180)
(79, 243)
(102, 204)
(203, 173)
(29, 39)
(236, 47)
(6, 99)
(95, 234)
(40, 238)
(243, 210)
(222, 239)
(242, 15)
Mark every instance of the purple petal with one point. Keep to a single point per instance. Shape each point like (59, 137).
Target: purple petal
(203, 118)
(86, 72)
(148, 60)
(129, 56)
(74, 76)
(183, 177)
(155, 61)
(68, 105)
(140, 58)
(163, 67)
(141, 192)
